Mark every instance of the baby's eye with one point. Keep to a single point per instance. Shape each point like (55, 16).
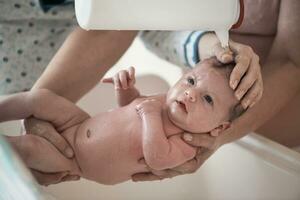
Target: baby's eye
(191, 81)
(208, 99)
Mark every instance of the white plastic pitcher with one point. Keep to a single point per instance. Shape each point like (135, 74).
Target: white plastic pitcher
(159, 14)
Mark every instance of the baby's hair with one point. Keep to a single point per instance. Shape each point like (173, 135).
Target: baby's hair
(236, 110)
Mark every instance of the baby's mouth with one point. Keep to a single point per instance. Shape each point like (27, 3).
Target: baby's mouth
(182, 105)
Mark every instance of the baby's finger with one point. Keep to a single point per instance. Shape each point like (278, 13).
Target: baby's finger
(241, 67)
(245, 84)
(123, 79)
(117, 82)
(107, 80)
(131, 72)
(253, 95)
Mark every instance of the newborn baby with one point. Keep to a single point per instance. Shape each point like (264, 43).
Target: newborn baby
(109, 146)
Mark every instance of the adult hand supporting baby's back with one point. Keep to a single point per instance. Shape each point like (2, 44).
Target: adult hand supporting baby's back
(206, 145)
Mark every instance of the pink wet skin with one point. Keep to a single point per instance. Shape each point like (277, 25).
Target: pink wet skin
(109, 146)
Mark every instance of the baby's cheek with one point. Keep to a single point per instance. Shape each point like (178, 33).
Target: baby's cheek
(204, 124)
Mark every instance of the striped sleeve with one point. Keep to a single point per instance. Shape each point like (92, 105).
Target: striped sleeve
(178, 47)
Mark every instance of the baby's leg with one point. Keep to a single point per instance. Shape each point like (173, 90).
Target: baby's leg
(37, 153)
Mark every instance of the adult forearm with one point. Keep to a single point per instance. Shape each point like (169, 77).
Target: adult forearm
(281, 84)
(16, 106)
(82, 60)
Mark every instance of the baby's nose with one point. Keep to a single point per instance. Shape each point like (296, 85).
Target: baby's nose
(190, 95)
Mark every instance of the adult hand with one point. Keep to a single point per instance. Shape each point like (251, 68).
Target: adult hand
(46, 130)
(53, 123)
(246, 78)
(206, 145)
(53, 178)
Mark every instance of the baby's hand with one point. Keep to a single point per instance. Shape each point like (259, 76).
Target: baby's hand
(149, 106)
(123, 80)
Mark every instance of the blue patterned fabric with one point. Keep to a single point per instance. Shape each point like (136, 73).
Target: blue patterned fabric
(46, 5)
(29, 38)
(178, 47)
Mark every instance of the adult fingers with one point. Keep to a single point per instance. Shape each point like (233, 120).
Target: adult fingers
(224, 55)
(241, 67)
(245, 84)
(194, 164)
(169, 173)
(48, 178)
(200, 140)
(70, 178)
(253, 75)
(253, 95)
(144, 177)
(47, 131)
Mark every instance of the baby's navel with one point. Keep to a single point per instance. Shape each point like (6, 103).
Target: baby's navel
(88, 133)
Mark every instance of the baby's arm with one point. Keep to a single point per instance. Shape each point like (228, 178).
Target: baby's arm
(159, 151)
(124, 86)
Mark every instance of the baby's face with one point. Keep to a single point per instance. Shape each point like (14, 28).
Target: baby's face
(200, 101)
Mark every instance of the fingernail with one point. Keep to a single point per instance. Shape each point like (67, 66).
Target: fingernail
(69, 152)
(187, 137)
(234, 84)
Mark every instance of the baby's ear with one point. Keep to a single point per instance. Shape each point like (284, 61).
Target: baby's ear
(218, 130)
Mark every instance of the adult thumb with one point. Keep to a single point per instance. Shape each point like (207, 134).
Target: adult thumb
(224, 55)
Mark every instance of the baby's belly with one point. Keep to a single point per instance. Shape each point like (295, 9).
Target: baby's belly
(107, 150)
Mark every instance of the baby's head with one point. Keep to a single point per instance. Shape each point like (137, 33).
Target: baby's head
(202, 100)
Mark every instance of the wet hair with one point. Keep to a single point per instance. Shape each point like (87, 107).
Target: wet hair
(236, 110)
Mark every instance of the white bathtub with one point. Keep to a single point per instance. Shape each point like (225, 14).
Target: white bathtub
(252, 168)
